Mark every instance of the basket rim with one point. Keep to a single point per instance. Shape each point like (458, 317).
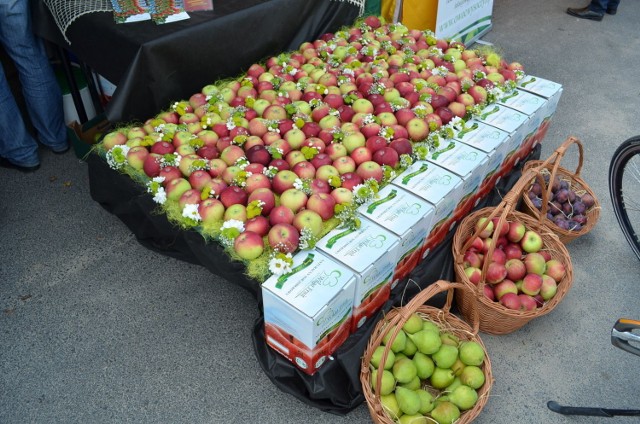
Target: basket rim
(396, 318)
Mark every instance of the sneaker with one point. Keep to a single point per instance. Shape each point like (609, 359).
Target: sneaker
(6, 163)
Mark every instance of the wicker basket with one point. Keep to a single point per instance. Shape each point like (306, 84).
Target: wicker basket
(446, 320)
(552, 167)
(495, 318)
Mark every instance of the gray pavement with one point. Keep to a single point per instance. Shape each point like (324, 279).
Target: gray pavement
(94, 328)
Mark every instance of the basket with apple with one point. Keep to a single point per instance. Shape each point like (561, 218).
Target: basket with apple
(572, 209)
(425, 364)
(518, 268)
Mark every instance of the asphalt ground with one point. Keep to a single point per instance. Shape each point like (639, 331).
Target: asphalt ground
(94, 328)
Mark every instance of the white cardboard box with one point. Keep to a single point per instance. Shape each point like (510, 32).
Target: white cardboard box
(465, 161)
(407, 216)
(438, 186)
(308, 312)
(491, 140)
(372, 252)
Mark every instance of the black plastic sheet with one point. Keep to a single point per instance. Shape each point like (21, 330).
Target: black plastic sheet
(335, 387)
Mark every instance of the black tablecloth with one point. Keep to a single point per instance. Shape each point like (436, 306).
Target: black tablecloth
(336, 386)
(154, 65)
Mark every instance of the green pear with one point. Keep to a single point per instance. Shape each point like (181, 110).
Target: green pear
(430, 325)
(408, 400)
(388, 382)
(472, 376)
(450, 339)
(471, 353)
(377, 357)
(404, 370)
(457, 367)
(414, 384)
(398, 343)
(446, 356)
(390, 405)
(399, 356)
(413, 324)
(424, 365)
(410, 348)
(445, 413)
(441, 378)
(427, 341)
(464, 397)
(413, 419)
(426, 401)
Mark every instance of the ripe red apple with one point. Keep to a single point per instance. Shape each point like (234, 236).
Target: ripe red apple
(151, 165)
(266, 196)
(555, 269)
(487, 226)
(528, 303)
(283, 238)
(294, 199)
(511, 301)
(323, 204)
(233, 195)
(513, 251)
(370, 169)
(531, 284)
(169, 173)
(258, 224)
(211, 210)
(516, 269)
(504, 287)
(516, 231)
(496, 273)
(401, 145)
(361, 154)
(474, 275)
(386, 156)
(375, 143)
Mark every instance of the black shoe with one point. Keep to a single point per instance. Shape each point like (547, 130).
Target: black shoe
(585, 13)
(5, 163)
(612, 11)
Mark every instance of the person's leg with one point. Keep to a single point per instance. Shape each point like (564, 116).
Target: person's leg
(598, 6)
(39, 85)
(16, 144)
(612, 6)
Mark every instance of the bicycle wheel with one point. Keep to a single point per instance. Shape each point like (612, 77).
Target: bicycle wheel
(624, 187)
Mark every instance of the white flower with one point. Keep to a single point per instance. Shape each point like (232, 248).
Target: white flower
(158, 179)
(117, 156)
(233, 223)
(298, 184)
(190, 210)
(160, 196)
(230, 124)
(279, 266)
(456, 123)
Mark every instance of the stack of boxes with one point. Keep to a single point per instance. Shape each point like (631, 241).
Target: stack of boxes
(335, 288)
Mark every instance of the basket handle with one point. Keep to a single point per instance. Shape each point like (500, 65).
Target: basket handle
(554, 161)
(404, 313)
(505, 207)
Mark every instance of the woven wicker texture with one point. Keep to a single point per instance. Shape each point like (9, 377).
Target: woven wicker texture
(552, 167)
(495, 318)
(447, 321)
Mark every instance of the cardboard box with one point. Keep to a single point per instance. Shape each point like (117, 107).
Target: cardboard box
(493, 142)
(468, 163)
(372, 252)
(549, 90)
(438, 186)
(83, 137)
(531, 105)
(511, 121)
(407, 216)
(308, 312)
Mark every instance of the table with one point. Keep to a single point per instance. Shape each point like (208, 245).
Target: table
(154, 65)
(335, 387)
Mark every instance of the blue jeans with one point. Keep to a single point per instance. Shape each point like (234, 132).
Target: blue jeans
(39, 86)
(601, 6)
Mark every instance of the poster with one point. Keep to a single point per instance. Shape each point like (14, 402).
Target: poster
(463, 20)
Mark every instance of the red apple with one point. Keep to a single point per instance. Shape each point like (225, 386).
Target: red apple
(284, 238)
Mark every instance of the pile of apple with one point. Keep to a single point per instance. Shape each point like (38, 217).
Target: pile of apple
(566, 208)
(429, 373)
(520, 274)
(294, 136)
